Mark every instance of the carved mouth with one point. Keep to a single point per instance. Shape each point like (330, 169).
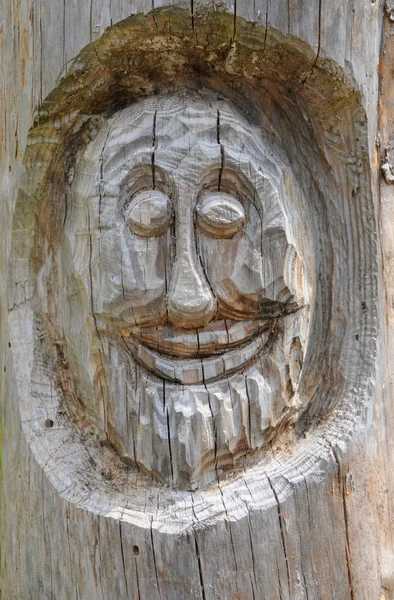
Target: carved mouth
(198, 356)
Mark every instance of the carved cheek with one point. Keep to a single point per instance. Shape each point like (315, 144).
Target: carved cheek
(144, 271)
(132, 254)
(134, 277)
(234, 268)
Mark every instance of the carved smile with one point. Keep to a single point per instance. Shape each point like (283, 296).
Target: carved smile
(198, 356)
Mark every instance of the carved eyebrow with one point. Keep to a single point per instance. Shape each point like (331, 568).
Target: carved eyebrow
(220, 215)
(149, 214)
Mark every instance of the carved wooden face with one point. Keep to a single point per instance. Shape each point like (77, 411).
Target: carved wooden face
(195, 288)
(192, 277)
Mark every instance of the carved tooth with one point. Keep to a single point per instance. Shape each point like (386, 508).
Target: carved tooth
(215, 338)
(197, 371)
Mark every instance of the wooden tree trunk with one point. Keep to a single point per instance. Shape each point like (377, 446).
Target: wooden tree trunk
(242, 155)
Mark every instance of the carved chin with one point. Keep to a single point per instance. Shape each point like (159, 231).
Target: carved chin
(198, 356)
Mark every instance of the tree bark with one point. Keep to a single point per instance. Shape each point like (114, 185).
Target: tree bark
(311, 517)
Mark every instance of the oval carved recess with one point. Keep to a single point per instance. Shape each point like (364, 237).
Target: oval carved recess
(149, 214)
(196, 325)
(193, 306)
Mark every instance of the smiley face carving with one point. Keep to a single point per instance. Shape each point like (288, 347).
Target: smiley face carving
(199, 294)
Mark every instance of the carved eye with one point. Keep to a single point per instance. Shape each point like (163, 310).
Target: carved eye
(220, 215)
(149, 214)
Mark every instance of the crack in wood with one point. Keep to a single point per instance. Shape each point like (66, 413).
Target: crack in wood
(99, 569)
(137, 578)
(249, 413)
(91, 20)
(154, 149)
(266, 25)
(288, 17)
(319, 34)
(70, 554)
(252, 553)
(279, 580)
(342, 491)
(154, 558)
(102, 180)
(64, 38)
(282, 531)
(169, 446)
(100, 350)
(199, 565)
(123, 558)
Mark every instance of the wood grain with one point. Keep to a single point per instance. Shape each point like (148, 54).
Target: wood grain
(288, 524)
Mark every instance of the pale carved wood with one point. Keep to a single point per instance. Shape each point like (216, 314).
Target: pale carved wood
(198, 297)
(193, 297)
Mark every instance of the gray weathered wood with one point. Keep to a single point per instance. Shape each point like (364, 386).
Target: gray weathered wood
(308, 517)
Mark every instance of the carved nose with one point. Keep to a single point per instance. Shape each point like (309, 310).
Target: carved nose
(190, 301)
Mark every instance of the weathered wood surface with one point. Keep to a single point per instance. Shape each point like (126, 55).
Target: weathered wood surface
(199, 298)
(315, 527)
